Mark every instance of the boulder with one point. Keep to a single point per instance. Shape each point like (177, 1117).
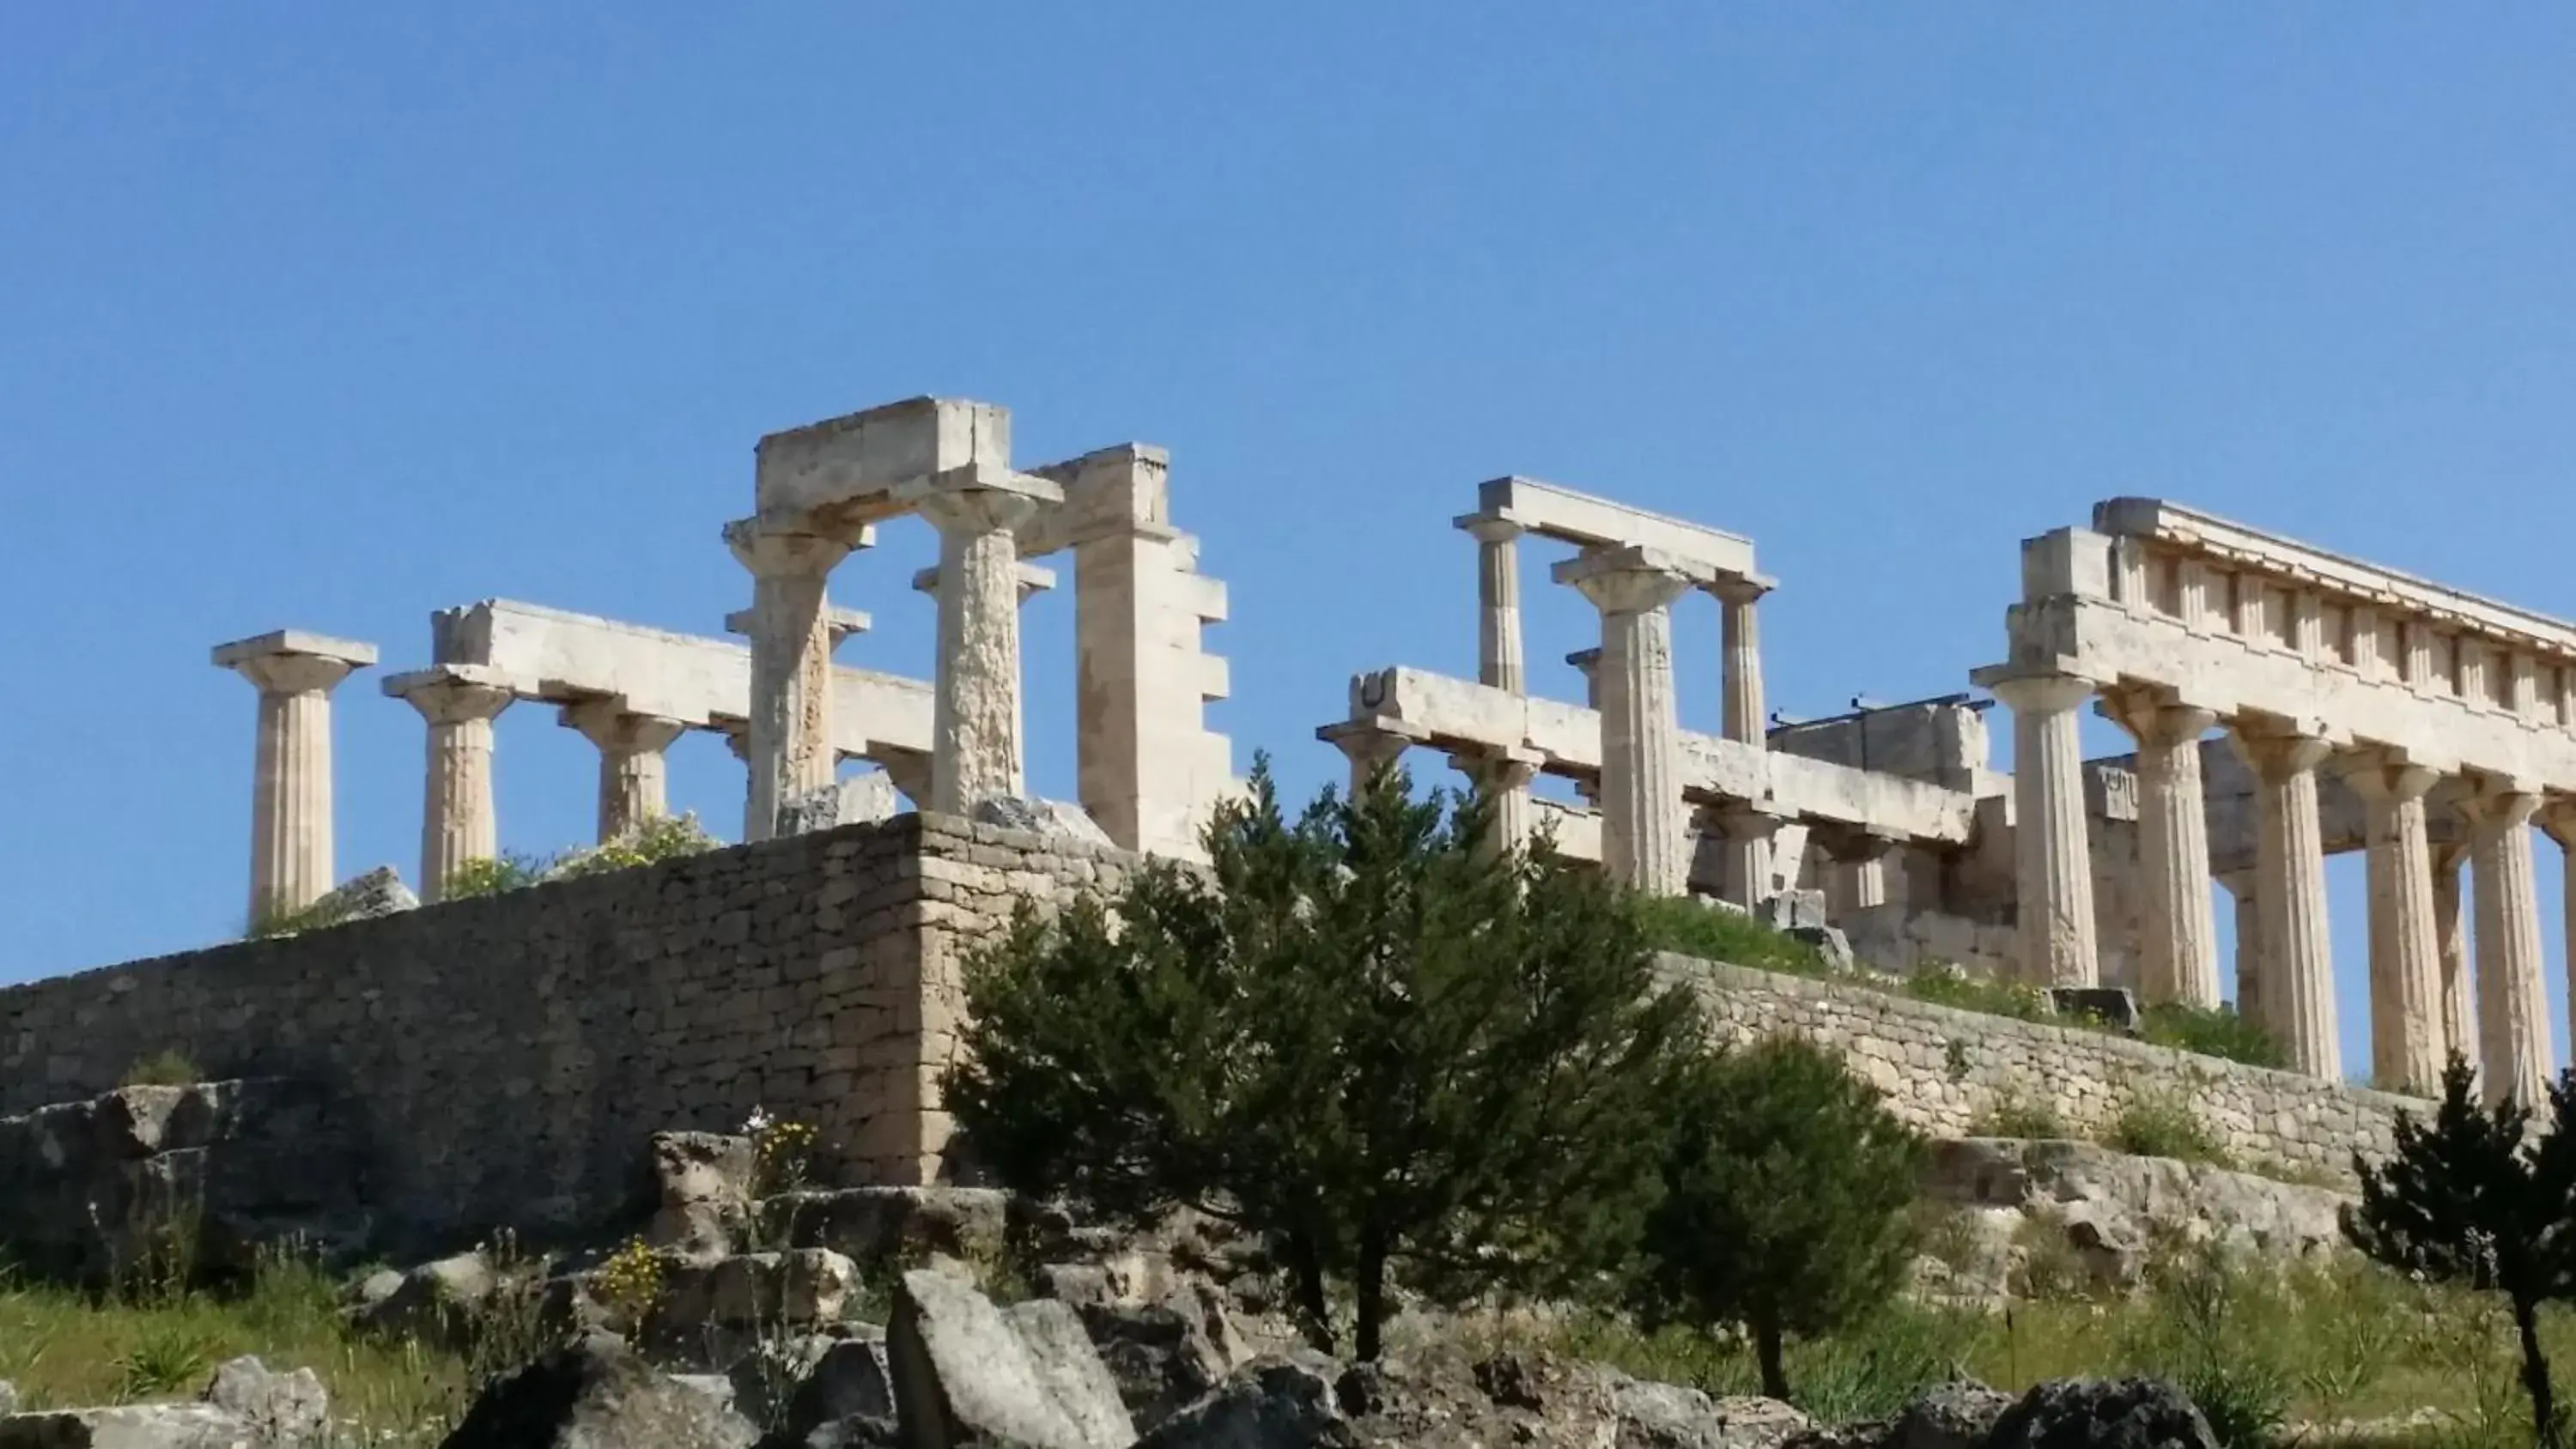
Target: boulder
(859, 800)
(966, 1372)
(1040, 817)
(281, 1409)
(2102, 1414)
(593, 1394)
(851, 1380)
(379, 892)
(1544, 1402)
(1272, 1403)
(130, 1426)
(1949, 1416)
(702, 1193)
(436, 1302)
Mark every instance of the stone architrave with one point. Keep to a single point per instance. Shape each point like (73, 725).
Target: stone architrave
(2459, 983)
(2177, 924)
(1499, 661)
(633, 767)
(1645, 842)
(976, 739)
(2052, 859)
(2407, 1039)
(1741, 638)
(2249, 945)
(458, 822)
(291, 863)
(2290, 889)
(790, 735)
(2513, 1022)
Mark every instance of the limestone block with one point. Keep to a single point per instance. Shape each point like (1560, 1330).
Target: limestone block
(1054, 818)
(967, 1372)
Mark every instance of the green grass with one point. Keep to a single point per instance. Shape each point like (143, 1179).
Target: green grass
(2162, 1124)
(1715, 933)
(2011, 1114)
(2212, 1031)
(2314, 1344)
(66, 1348)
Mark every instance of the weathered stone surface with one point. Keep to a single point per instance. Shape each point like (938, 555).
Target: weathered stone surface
(1040, 817)
(1165, 1335)
(131, 1426)
(796, 1289)
(592, 1395)
(434, 1301)
(1792, 911)
(1437, 1398)
(2102, 1414)
(100, 1184)
(1949, 1416)
(379, 892)
(850, 1380)
(1274, 1403)
(966, 1372)
(881, 1224)
(702, 1188)
(282, 1409)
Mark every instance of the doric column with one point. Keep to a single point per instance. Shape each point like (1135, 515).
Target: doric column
(2177, 927)
(633, 771)
(1864, 857)
(737, 735)
(457, 822)
(1644, 842)
(2407, 1044)
(976, 733)
(1742, 636)
(2513, 1021)
(1369, 746)
(2053, 862)
(2249, 945)
(1503, 777)
(2558, 817)
(1498, 601)
(290, 805)
(1747, 839)
(2459, 990)
(2290, 885)
(790, 738)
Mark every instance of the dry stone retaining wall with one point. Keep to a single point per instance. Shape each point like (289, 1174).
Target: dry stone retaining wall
(508, 1057)
(1943, 1067)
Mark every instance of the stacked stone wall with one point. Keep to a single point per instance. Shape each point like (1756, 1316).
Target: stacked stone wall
(1943, 1068)
(508, 1056)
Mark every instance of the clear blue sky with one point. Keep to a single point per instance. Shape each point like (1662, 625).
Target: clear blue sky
(330, 316)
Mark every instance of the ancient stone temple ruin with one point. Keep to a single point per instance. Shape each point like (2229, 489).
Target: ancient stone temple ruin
(2283, 702)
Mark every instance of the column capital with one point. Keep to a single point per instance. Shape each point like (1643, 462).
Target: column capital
(2154, 716)
(2557, 817)
(291, 661)
(1490, 527)
(454, 693)
(1371, 743)
(1740, 588)
(1742, 820)
(615, 729)
(1505, 769)
(2277, 750)
(2038, 693)
(2386, 776)
(1628, 580)
(2496, 805)
(777, 548)
(838, 622)
(981, 498)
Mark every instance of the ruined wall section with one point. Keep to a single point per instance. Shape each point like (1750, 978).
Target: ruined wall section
(1942, 1067)
(507, 1057)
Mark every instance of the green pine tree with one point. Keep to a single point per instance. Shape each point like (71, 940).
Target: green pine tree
(2475, 1199)
(1399, 1057)
(1786, 1185)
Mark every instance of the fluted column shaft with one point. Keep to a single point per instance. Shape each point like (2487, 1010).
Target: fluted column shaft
(291, 863)
(1740, 628)
(458, 819)
(1499, 660)
(1865, 861)
(633, 766)
(977, 746)
(2249, 946)
(2459, 994)
(2290, 888)
(2407, 1040)
(790, 734)
(2053, 862)
(2513, 1022)
(1645, 839)
(2558, 817)
(2177, 926)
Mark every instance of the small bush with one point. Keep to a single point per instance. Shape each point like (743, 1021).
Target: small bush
(1719, 933)
(664, 837)
(493, 875)
(2162, 1124)
(2011, 1114)
(171, 1357)
(314, 917)
(1949, 986)
(164, 1068)
(2215, 1031)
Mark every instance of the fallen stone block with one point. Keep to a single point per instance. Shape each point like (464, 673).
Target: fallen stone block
(966, 1372)
(1040, 817)
(593, 1394)
(702, 1191)
(2108, 1413)
(800, 1289)
(893, 1224)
